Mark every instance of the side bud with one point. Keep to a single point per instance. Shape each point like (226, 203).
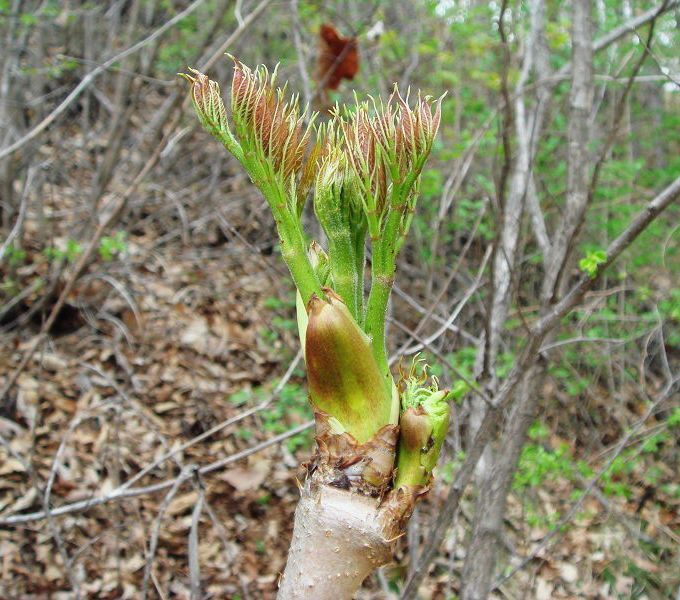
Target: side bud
(415, 432)
(207, 101)
(423, 425)
(209, 106)
(344, 379)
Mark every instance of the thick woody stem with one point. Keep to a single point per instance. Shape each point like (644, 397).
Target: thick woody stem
(338, 540)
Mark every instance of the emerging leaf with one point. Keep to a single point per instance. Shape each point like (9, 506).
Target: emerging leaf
(270, 127)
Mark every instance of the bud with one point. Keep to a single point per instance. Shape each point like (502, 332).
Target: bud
(330, 169)
(307, 176)
(207, 101)
(429, 122)
(414, 434)
(416, 130)
(423, 425)
(436, 406)
(273, 128)
(344, 379)
(337, 198)
(384, 125)
(320, 262)
(243, 92)
(366, 141)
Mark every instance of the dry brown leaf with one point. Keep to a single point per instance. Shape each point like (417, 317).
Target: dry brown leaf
(182, 503)
(249, 478)
(22, 503)
(53, 362)
(11, 465)
(568, 572)
(544, 590)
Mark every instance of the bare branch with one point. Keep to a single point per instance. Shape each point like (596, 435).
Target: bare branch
(580, 103)
(115, 209)
(92, 75)
(120, 493)
(194, 561)
(527, 357)
(590, 487)
(23, 207)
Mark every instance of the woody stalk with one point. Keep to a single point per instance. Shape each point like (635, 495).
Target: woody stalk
(378, 440)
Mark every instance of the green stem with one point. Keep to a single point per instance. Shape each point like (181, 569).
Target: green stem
(226, 137)
(294, 254)
(382, 279)
(343, 270)
(288, 226)
(409, 470)
(359, 239)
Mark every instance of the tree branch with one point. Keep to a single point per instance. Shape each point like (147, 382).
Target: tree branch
(505, 394)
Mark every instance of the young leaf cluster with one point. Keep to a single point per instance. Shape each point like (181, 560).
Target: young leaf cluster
(362, 168)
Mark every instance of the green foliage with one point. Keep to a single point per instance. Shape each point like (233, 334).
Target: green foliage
(459, 389)
(669, 307)
(277, 303)
(590, 263)
(111, 246)
(289, 405)
(539, 464)
(70, 252)
(572, 382)
(15, 255)
(448, 470)
(674, 418)
(282, 323)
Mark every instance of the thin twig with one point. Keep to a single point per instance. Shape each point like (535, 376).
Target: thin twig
(114, 211)
(591, 485)
(120, 494)
(23, 207)
(187, 473)
(92, 75)
(527, 357)
(192, 551)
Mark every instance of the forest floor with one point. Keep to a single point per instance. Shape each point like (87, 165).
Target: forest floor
(192, 326)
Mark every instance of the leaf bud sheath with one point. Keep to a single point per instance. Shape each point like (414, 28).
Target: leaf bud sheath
(344, 379)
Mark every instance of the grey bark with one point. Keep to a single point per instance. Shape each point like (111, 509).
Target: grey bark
(478, 572)
(480, 557)
(580, 100)
(338, 540)
(521, 186)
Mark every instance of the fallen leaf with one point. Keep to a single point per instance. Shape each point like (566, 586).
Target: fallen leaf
(568, 573)
(243, 479)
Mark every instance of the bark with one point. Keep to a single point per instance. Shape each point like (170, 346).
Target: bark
(339, 538)
(347, 517)
(580, 102)
(526, 359)
(493, 493)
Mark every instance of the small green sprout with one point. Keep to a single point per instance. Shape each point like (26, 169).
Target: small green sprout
(591, 262)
